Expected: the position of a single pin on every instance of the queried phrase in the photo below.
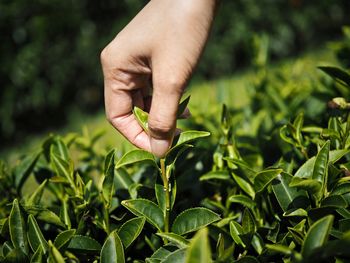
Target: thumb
(162, 116)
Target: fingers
(162, 116)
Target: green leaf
(216, 175)
(199, 248)
(38, 256)
(310, 185)
(63, 168)
(24, 169)
(306, 170)
(247, 259)
(59, 148)
(35, 198)
(182, 106)
(35, 236)
(280, 249)
(264, 178)
(177, 256)
(244, 185)
(18, 229)
(141, 117)
(336, 201)
(236, 230)
(295, 212)
(148, 209)
(193, 219)
(15, 256)
(160, 195)
(338, 74)
(243, 200)
(317, 235)
(321, 164)
(54, 255)
(122, 179)
(112, 250)
(186, 137)
(83, 244)
(130, 230)
(135, 156)
(63, 238)
(178, 240)
(248, 222)
(108, 180)
(287, 197)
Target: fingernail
(159, 147)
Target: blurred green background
(50, 69)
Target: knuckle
(173, 84)
(160, 129)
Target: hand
(155, 53)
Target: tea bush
(271, 184)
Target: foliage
(50, 49)
(271, 184)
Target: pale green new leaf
(112, 250)
(199, 248)
(135, 156)
(243, 200)
(317, 235)
(176, 239)
(63, 238)
(35, 236)
(264, 178)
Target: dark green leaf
(310, 185)
(148, 209)
(182, 106)
(24, 169)
(130, 230)
(35, 236)
(338, 74)
(63, 238)
(264, 178)
(108, 181)
(336, 201)
(177, 256)
(317, 235)
(122, 179)
(287, 197)
(38, 256)
(18, 228)
(83, 244)
(193, 219)
(112, 250)
(248, 222)
(321, 164)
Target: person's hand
(155, 54)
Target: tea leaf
(54, 255)
(264, 178)
(287, 196)
(83, 244)
(178, 256)
(130, 230)
(178, 240)
(243, 200)
(193, 219)
(112, 250)
(338, 74)
(182, 106)
(236, 230)
(35, 236)
(35, 198)
(108, 182)
(122, 179)
(186, 137)
(199, 248)
(248, 222)
(310, 185)
(244, 185)
(216, 175)
(63, 238)
(135, 156)
(18, 228)
(146, 208)
(24, 169)
(141, 117)
(336, 201)
(38, 256)
(321, 164)
(306, 170)
(317, 235)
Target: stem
(167, 194)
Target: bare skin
(155, 54)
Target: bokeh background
(50, 69)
